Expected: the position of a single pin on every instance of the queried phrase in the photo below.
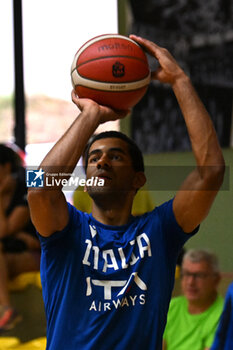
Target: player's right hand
(104, 113)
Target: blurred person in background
(19, 246)
(193, 317)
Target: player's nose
(103, 162)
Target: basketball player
(107, 277)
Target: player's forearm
(48, 206)
(199, 125)
(65, 154)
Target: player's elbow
(218, 172)
(214, 176)
(40, 198)
(48, 210)
(35, 195)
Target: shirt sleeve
(75, 219)
(174, 236)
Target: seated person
(19, 245)
(193, 318)
(224, 336)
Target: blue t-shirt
(224, 335)
(108, 287)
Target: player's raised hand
(104, 113)
(169, 70)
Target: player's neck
(197, 307)
(116, 214)
(112, 217)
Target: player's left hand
(168, 71)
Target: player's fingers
(74, 96)
(117, 113)
(123, 113)
(109, 114)
(147, 45)
(143, 41)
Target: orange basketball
(112, 70)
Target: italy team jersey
(108, 287)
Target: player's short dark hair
(134, 151)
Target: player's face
(109, 159)
(199, 282)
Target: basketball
(112, 70)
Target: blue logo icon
(35, 178)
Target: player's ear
(139, 180)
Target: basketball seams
(112, 70)
(115, 91)
(95, 40)
(114, 99)
(103, 37)
(78, 80)
(113, 56)
(78, 65)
